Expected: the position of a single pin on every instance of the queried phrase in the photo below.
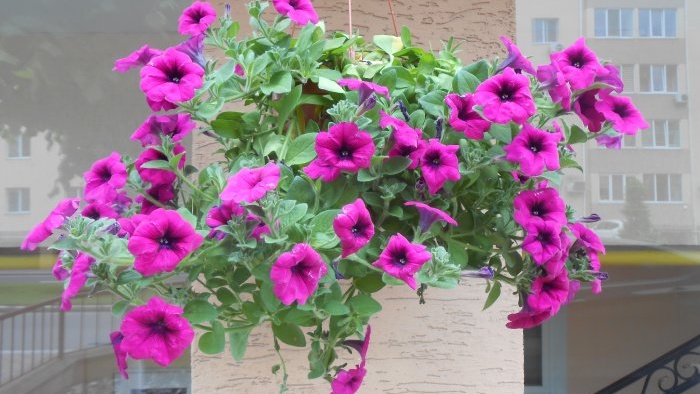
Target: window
(663, 187)
(545, 31)
(657, 22)
(18, 200)
(658, 78)
(612, 188)
(627, 76)
(613, 22)
(662, 133)
(18, 145)
(629, 141)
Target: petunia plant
(350, 165)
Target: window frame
(667, 131)
(669, 188)
(610, 187)
(19, 146)
(651, 81)
(17, 197)
(541, 29)
(664, 33)
(622, 12)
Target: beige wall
(446, 346)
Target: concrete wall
(446, 346)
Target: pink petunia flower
(402, 259)
(541, 205)
(64, 209)
(552, 80)
(300, 12)
(612, 78)
(97, 210)
(543, 241)
(116, 338)
(506, 97)
(620, 111)
(139, 58)
(515, 59)
(251, 184)
(528, 318)
(429, 215)
(129, 225)
(238, 70)
(439, 164)
(463, 117)
(158, 176)
(549, 292)
(579, 64)
(176, 126)
(354, 227)
(260, 228)
(587, 237)
(161, 241)
(220, 215)
(346, 147)
(407, 140)
(319, 169)
(196, 18)
(58, 270)
(170, 78)
(156, 331)
(364, 88)
(296, 274)
(194, 48)
(348, 382)
(78, 277)
(104, 178)
(610, 142)
(534, 150)
(163, 193)
(585, 107)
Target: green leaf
(119, 308)
(290, 334)
(213, 342)
(66, 243)
(286, 105)
(494, 293)
(405, 36)
(187, 216)
(295, 215)
(225, 72)
(366, 175)
(128, 276)
(578, 135)
(433, 103)
(363, 304)
(336, 308)
(501, 132)
(301, 191)
(329, 85)
(156, 164)
(369, 283)
(479, 69)
(301, 150)
(238, 341)
(199, 311)
(323, 222)
(280, 82)
(389, 44)
(552, 176)
(514, 262)
(464, 82)
(229, 124)
(395, 165)
(225, 296)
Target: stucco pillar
(445, 346)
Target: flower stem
(283, 386)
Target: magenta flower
(220, 215)
(585, 107)
(196, 18)
(194, 48)
(238, 70)
(402, 259)
(612, 78)
(609, 142)
(579, 64)
(104, 178)
(97, 210)
(543, 241)
(78, 277)
(528, 318)
(65, 208)
(169, 79)
(139, 58)
(364, 88)
(59, 271)
(344, 147)
(161, 241)
(587, 237)
(348, 382)
(116, 338)
(300, 12)
(540, 205)
(296, 274)
(515, 59)
(463, 117)
(439, 164)
(162, 193)
(176, 126)
(552, 80)
(407, 140)
(251, 184)
(620, 111)
(506, 97)
(534, 149)
(429, 215)
(260, 228)
(129, 225)
(158, 176)
(156, 331)
(354, 227)
(549, 292)
(319, 169)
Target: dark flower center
(577, 60)
(535, 145)
(537, 210)
(463, 113)
(105, 175)
(159, 327)
(507, 92)
(358, 230)
(433, 159)
(174, 75)
(345, 153)
(400, 258)
(165, 243)
(621, 110)
(293, 3)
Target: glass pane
(671, 78)
(670, 22)
(627, 23)
(644, 28)
(600, 22)
(659, 133)
(645, 78)
(604, 187)
(533, 355)
(552, 30)
(662, 185)
(674, 134)
(613, 23)
(650, 186)
(537, 31)
(657, 20)
(676, 188)
(618, 187)
(658, 77)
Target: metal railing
(35, 335)
(674, 372)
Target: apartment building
(655, 49)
